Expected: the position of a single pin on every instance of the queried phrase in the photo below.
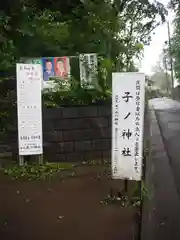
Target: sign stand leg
(126, 185)
(21, 160)
(111, 192)
(141, 199)
(40, 159)
(141, 193)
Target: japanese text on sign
(127, 125)
(29, 80)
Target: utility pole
(171, 60)
(166, 71)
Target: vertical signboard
(128, 97)
(29, 80)
(88, 69)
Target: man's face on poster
(60, 66)
(49, 66)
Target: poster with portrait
(62, 67)
(62, 71)
(48, 68)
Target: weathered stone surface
(52, 113)
(55, 136)
(82, 146)
(101, 144)
(93, 155)
(75, 157)
(62, 147)
(88, 111)
(70, 112)
(72, 134)
(104, 111)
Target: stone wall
(77, 133)
(71, 134)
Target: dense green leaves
(116, 30)
(175, 41)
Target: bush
(76, 95)
(8, 111)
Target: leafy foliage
(76, 96)
(175, 41)
(56, 28)
(115, 30)
(8, 105)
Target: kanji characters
(137, 121)
(127, 116)
(126, 152)
(127, 134)
(127, 96)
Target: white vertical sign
(88, 69)
(128, 99)
(29, 83)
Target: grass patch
(97, 163)
(35, 171)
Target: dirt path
(68, 209)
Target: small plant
(141, 191)
(97, 162)
(30, 172)
(135, 199)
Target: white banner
(29, 83)
(128, 99)
(88, 69)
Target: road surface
(168, 116)
(166, 169)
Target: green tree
(175, 41)
(116, 30)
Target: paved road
(168, 116)
(166, 169)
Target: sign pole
(40, 159)
(21, 160)
(140, 192)
(126, 185)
